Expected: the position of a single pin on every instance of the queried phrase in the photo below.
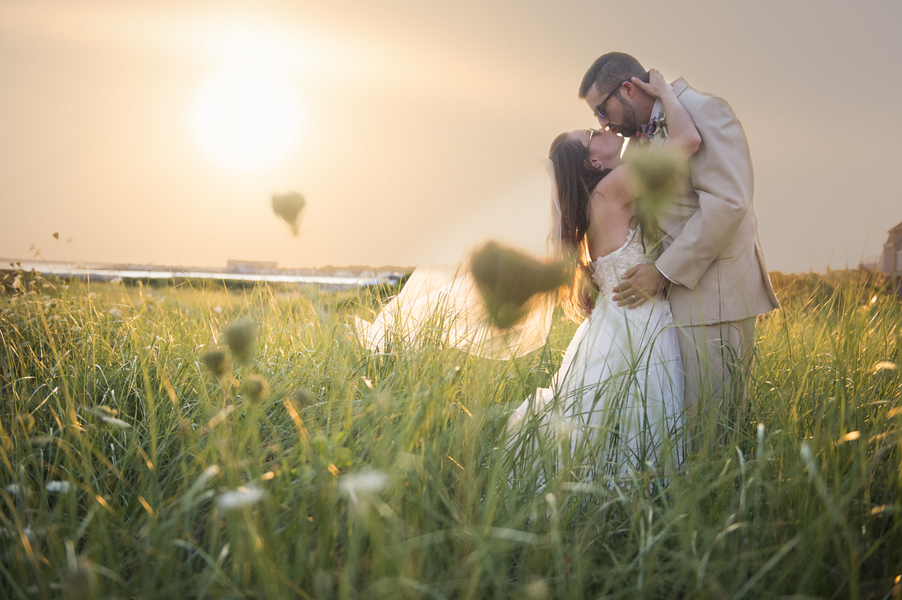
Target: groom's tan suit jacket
(711, 248)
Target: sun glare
(247, 116)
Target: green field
(314, 469)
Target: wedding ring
(634, 296)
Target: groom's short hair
(609, 71)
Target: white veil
(444, 303)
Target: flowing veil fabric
(443, 303)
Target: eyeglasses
(599, 110)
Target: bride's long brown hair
(575, 181)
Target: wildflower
(288, 207)
(240, 337)
(239, 498)
(508, 279)
(58, 487)
(884, 365)
(537, 589)
(302, 397)
(217, 361)
(115, 312)
(660, 175)
(217, 310)
(16, 490)
(254, 388)
(357, 486)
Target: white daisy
(58, 487)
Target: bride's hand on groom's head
(656, 85)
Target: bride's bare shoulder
(618, 187)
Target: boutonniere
(657, 126)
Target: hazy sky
(419, 125)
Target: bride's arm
(620, 185)
(683, 135)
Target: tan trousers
(717, 362)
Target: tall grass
(361, 475)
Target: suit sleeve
(721, 173)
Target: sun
(247, 116)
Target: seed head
(537, 589)
(508, 279)
(254, 388)
(114, 422)
(661, 176)
(217, 361)
(288, 208)
(303, 397)
(241, 337)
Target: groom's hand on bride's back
(638, 285)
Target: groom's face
(619, 114)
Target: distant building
(251, 266)
(891, 259)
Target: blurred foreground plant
(288, 208)
(508, 279)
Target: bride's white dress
(617, 397)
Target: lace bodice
(607, 270)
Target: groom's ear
(629, 89)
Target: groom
(712, 260)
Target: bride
(615, 405)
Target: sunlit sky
(414, 129)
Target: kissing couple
(664, 353)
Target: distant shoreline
(353, 276)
